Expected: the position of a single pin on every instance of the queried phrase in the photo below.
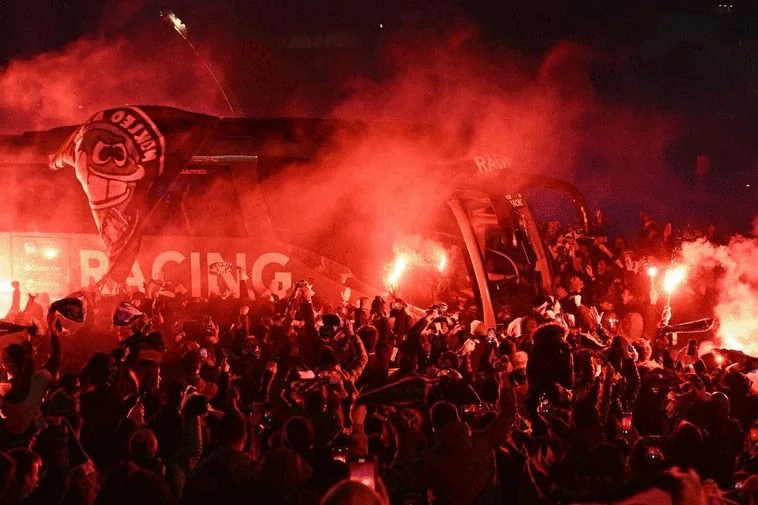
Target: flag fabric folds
(126, 160)
(125, 314)
(7, 328)
(71, 308)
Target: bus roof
(297, 138)
(303, 138)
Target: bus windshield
(506, 251)
(554, 211)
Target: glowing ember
(673, 277)
(652, 271)
(396, 271)
(719, 359)
(177, 23)
(425, 256)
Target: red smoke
(542, 118)
(737, 285)
(378, 186)
(68, 86)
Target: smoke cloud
(151, 65)
(68, 86)
(734, 266)
(377, 185)
(447, 97)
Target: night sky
(694, 59)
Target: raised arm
(191, 448)
(360, 358)
(263, 395)
(53, 363)
(244, 306)
(496, 432)
(309, 337)
(221, 400)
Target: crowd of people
(584, 396)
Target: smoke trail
(68, 86)
(737, 283)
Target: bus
(481, 251)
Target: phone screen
(363, 471)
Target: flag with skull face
(124, 159)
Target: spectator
(279, 401)
(227, 474)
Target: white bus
(485, 243)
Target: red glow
(441, 261)
(481, 103)
(737, 286)
(50, 253)
(396, 271)
(93, 74)
(6, 297)
(415, 252)
(673, 277)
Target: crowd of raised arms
(579, 397)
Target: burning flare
(177, 23)
(426, 255)
(673, 277)
(396, 270)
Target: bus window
(497, 240)
(200, 203)
(553, 210)
(506, 254)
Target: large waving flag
(125, 159)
